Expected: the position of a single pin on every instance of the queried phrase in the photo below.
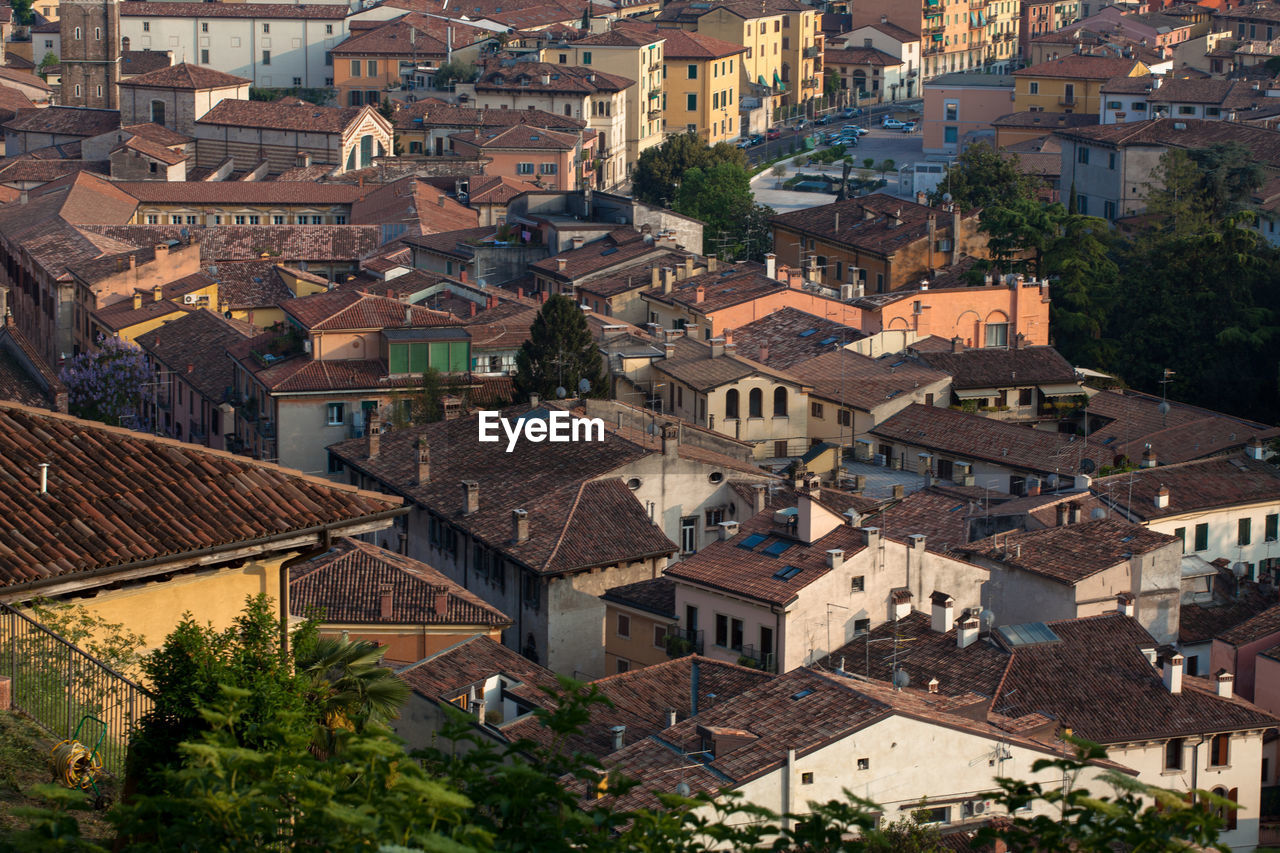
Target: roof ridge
(564, 528)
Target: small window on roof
(778, 547)
(752, 541)
(826, 342)
(786, 573)
(807, 332)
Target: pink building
(959, 109)
(1236, 650)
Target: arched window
(755, 403)
(77, 34)
(731, 404)
(157, 112)
(779, 402)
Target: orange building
(395, 54)
(375, 594)
(551, 159)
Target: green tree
(981, 177)
(720, 195)
(1086, 281)
(1195, 189)
(49, 59)
(22, 14)
(868, 163)
(831, 86)
(660, 169)
(884, 166)
(387, 110)
(456, 71)
(559, 353)
(906, 835)
(425, 403)
(347, 687)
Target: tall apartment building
(955, 35)
(90, 53)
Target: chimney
(763, 355)
(373, 435)
(561, 263)
(1062, 511)
(24, 197)
(901, 601)
(1173, 673)
(884, 19)
(699, 293)
(729, 346)
(771, 265)
(668, 349)
(670, 440)
(1074, 508)
(852, 517)
(671, 717)
(1255, 449)
(944, 612)
(967, 633)
(1226, 684)
(576, 242)
(1148, 457)
(519, 526)
(1162, 497)
(384, 603)
(534, 400)
(1125, 604)
(794, 278)
(899, 491)
(921, 198)
(440, 600)
(933, 685)
(470, 497)
(137, 301)
(654, 277)
(955, 236)
(757, 504)
(619, 734)
(728, 530)
(1019, 340)
(835, 558)
(717, 347)
(156, 293)
(688, 266)
(957, 344)
(668, 279)
(1033, 487)
(712, 263)
(871, 537)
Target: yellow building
(782, 38)
(145, 310)
(635, 54)
(701, 84)
(241, 202)
(1071, 84)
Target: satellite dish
(946, 197)
(900, 678)
(1087, 466)
(1240, 570)
(584, 386)
(560, 392)
(1098, 512)
(683, 789)
(987, 618)
(1163, 409)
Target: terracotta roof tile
(561, 78)
(858, 56)
(151, 149)
(24, 77)
(446, 242)
(1071, 553)
(1196, 486)
(25, 375)
(657, 596)
(135, 62)
(451, 672)
(241, 192)
(998, 368)
(185, 75)
(692, 363)
(117, 497)
(521, 137)
(1235, 602)
(496, 189)
(158, 134)
(270, 115)
(65, 121)
(1265, 624)
(1264, 144)
(683, 44)
(344, 310)
(878, 222)
(195, 345)
(852, 379)
(345, 585)
(594, 258)
(1027, 118)
(414, 202)
(1081, 67)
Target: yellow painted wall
(263, 318)
(717, 87)
(1050, 93)
(131, 333)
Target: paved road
(871, 117)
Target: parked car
(909, 127)
(827, 119)
(854, 130)
(803, 124)
(773, 133)
(851, 112)
(745, 142)
(892, 124)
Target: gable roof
(789, 336)
(413, 202)
(849, 378)
(186, 76)
(520, 137)
(877, 223)
(25, 375)
(692, 363)
(560, 78)
(1196, 486)
(132, 500)
(346, 584)
(150, 149)
(260, 11)
(1263, 143)
(1082, 67)
(426, 114)
(684, 44)
(347, 310)
(195, 346)
(991, 367)
(1070, 553)
(269, 115)
(656, 596)
(65, 121)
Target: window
(1244, 531)
(1111, 160)
(335, 412)
(722, 630)
(340, 219)
(1202, 537)
(691, 101)
(152, 219)
(1220, 750)
(1034, 87)
(157, 112)
(255, 220)
(815, 410)
(145, 27)
(779, 402)
(864, 763)
(97, 33)
(266, 57)
(586, 57)
(1138, 106)
(1173, 754)
(950, 134)
(328, 29)
(266, 28)
(952, 112)
(1186, 111)
(315, 220)
(997, 334)
(297, 81)
(844, 417)
(660, 636)
(735, 634)
(731, 404)
(1113, 105)
(1212, 111)
(926, 817)
(755, 403)
(806, 778)
(861, 626)
(548, 168)
(277, 220)
(858, 584)
(1082, 204)
(1109, 209)
(1082, 155)
(524, 168)
(715, 516)
(693, 72)
(1024, 396)
(355, 67)
(1271, 529)
(204, 57)
(624, 626)
(373, 68)
(1181, 533)
(240, 219)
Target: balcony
(811, 52)
(266, 428)
(811, 83)
(654, 114)
(1067, 101)
(682, 642)
(757, 659)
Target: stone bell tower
(90, 53)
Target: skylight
(1027, 634)
(807, 332)
(808, 691)
(752, 541)
(778, 547)
(786, 573)
(826, 342)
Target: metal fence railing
(57, 684)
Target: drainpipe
(788, 789)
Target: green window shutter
(439, 356)
(398, 359)
(417, 358)
(459, 356)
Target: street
(870, 118)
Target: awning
(776, 78)
(762, 81)
(937, 36)
(1061, 390)
(975, 393)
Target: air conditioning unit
(846, 292)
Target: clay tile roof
(619, 37)
(1265, 625)
(451, 672)
(345, 585)
(496, 189)
(197, 342)
(579, 515)
(521, 137)
(343, 310)
(413, 202)
(151, 149)
(184, 75)
(1122, 699)
(394, 39)
(561, 78)
(791, 336)
(24, 78)
(1026, 118)
(892, 30)
(65, 121)
(593, 258)
(1070, 553)
(1238, 602)
(975, 437)
(158, 134)
(852, 379)
(941, 513)
(1081, 67)
(858, 56)
(998, 368)
(1196, 486)
(241, 192)
(130, 498)
(1264, 144)
(25, 375)
(257, 11)
(878, 223)
(428, 114)
(447, 242)
(657, 596)
(692, 363)
(269, 115)
(122, 315)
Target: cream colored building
(290, 135)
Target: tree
(22, 14)
(387, 110)
(559, 353)
(1195, 189)
(108, 385)
(719, 195)
(885, 166)
(981, 177)
(455, 71)
(347, 687)
(660, 169)
(49, 59)
(906, 835)
(868, 163)
(425, 404)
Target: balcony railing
(811, 52)
(654, 114)
(811, 83)
(757, 658)
(1067, 100)
(682, 642)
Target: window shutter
(1232, 795)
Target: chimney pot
(771, 265)
(1173, 674)
(373, 435)
(871, 537)
(156, 293)
(619, 735)
(1255, 449)
(1226, 684)
(470, 497)
(137, 301)
(384, 604)
(1125, 603)
(835, 558)
(668, 279)
(670, 439)
(757, 504)
(561, 263)
(1148, 457)
(967, 633)
(1162, 497)
(519, 526)
(899, 491)
(712, 263)
(943, 614)
(440, 600)
(728, 530)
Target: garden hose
(74, 765)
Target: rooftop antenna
(1164, 395)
